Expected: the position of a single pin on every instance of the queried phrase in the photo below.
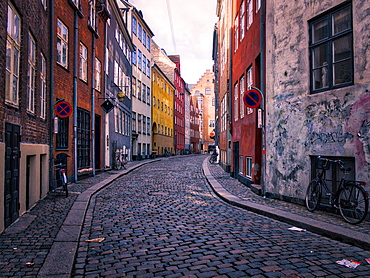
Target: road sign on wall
(63, 109)
(252, 98)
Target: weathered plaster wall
(298, 124)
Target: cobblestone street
(162, 220)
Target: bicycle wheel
(211, 160)
(313, 195)
(65, 183)
(353, 203)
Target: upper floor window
(62, 44)
(134, 25)
(236, 101)
(208, 91)
(236, 32)
(242, 91)
(31, 74)
(242, 20)
(148, 42)
(43, 2)
(139, 31)
(97, 74)
(76, 3)
(258, 5)
(331, 50)
(134, 57)
(13, 45)
(43, 96)
(83, 62)
(250, 13)
(92, 14)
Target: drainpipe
(93, 105)
(75, 72)
(263, 87)
(51, 94)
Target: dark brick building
(24, 96)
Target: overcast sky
(193, 24)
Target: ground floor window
(248, 165)
(62, 135)
(83, 139)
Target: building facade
(24, 106)
(118, 93)
(246, 129)
(162, 113)
(141, 82)
(205, 97)
(317, 90)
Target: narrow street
(162, 220)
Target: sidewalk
(320, 222)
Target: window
(148, 68)
(242, 20)
(97, 74)
(248, 165)
(43, 2)
(83, 139)
(76, 3)
(250, 13)
(148, 43)
(331, 50)
(139, 121)
(139, 89)
(134, 25)
(249, 85)
(62, 135)
(148, 95)
(139, 31)
(212, 123)
(144, 124)
(236, 101)
(43, 87)
(134, 56)
(144, 64)
(242, 91)
(13, 45)
(139, 59)
(92, 14)
(208, 91)
(133, 121)
(62, 44)
(83, 62)
(144, 38)
(143, 94)
(236, 32)
(241, 165)
(148, 126)
(134, 86)
(31, 74)
(258, 5)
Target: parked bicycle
(350, 199)
(119, 160)
(61, 177)
(213, 157)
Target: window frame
(328, 45)
(62, 53)
(31, 74)
(83, 62)
(43, 86)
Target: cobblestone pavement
(162, 220)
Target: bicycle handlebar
(340, 162)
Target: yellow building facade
(162, 113)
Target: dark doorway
(236, 159)
(97, 141)
(12, 154)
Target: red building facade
(246, 134)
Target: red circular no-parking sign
(252, 98)
(63, 109)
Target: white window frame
(236, 101)
(98, 70)
(92, 14)
(43, 87)
(258, 5)
(62, 44)
(242, 91)
(31, 74)
(83, 62)
(236, 32)
(13, 46)
(241, 165)
(242, 20)
(250, 13)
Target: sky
(193, 25)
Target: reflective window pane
(319, 30)
(341, 21)
(320, 56)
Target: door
(97, 142)
(12, 155)
(236, 158)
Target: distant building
(205, 97)
(162, 113)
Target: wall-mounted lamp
(120, 95)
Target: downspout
(93, 106)
(75, 72)
(51, 95)
(263, 87)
